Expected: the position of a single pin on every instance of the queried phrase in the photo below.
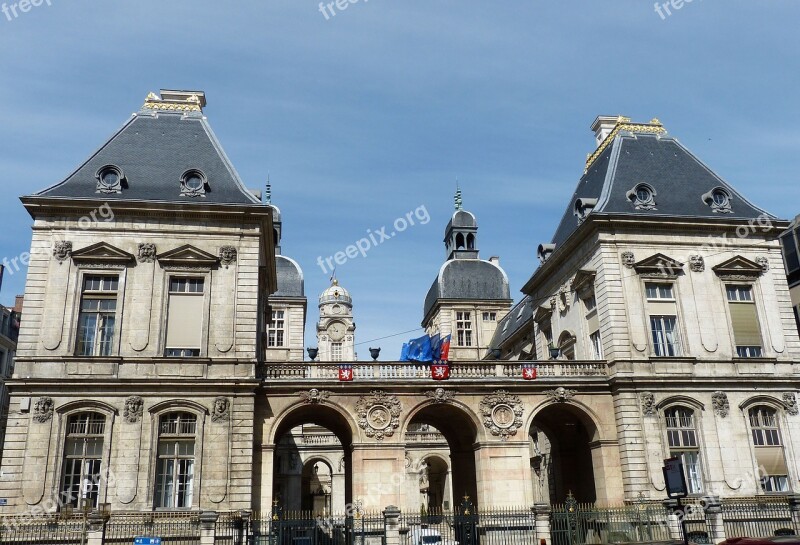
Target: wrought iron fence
(575, 523)
(759, 517)
(172, 528)
(307, 528)
(42, 530)
(469, 526)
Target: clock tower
(336, 328)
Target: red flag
(445, 356)
(529, 372)
(346, 373)
(440, 371)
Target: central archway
(460, 435)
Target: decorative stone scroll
(379, 414)
(648, 403)
(722, 407)
(314, 396)
(502, 414)
(43, 410)
(222, 409)
(440, 395)
(134, 407)
(62, 250)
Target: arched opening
(561, 455)
(460, 241)
(470, 241)
(438, 433)
(276, 237)
(312, 464)
(566, 343)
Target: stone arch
(762, 399)
(460, 243)
(579, 409)
(87, 405)
(470, 241)
(674, 400)
(178, 405)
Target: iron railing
(42, 530)
(575, 523)
(759, 517)
(172, 528)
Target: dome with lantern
(335, 294)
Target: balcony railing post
(794, 506)
(542, 512)
(713, 512)
(673, 522)
(391, 524)
(208, 527)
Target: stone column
(713, 512)
(794, 505)
(95, 528)
(673, 520)
(391, 517)
(542, 515)
(208, 527)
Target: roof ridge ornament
(268, 191)
(625, 124)
(459, 202)
(175, 101)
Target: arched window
(83, 454)
(768, 448)
(175, 467)
(459, 241)
(682, 441)
(470, 241)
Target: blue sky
(372, 113)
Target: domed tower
(336, 328)
(288, 305)
(470, 295)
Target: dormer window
(110, 179)
(194, 184)
(719, 200)
(643, 197)
(583, 207)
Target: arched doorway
(452, 434)
(561, 455)
(312, 462)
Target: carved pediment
(102, 252)
(659, 265)
(738, 268)
(542, 313)
(583, 283)
(188, 256)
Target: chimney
(18, 300)
(495, 260)
(604, 124)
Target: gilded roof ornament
(625, 124)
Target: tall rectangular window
(277, 329)
(336, 351)
(175, 468)
(768, 447)
(659, 292)
(682, 439)
(489, 316)
(83, 453)
(464, 328)
(744, 319)
(665, 336)
(98, 315)
(597, 345)
(185, 317)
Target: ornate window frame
(639, 203)
(724, 207)
(787, 442)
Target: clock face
(337, 331)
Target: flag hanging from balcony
(444, 350)
(346, 373)
(440, 371)
(529, 372)
(417, 350)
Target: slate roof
(468, 279)
(517, 318)
(290, 278)
(679, 178)
(154, 149)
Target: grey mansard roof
(290, 278)
(518, 317)
(634, 155)
(154, 149)
(468, 279)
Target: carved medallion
(134, 407)
(43, 409)
(648, 403)
(62, 250)
(227, 256)
(628, 259)
(697, 263)
(315, 396)
(719, 400)
(378, 414)
(440, 395)
(147, 252)
(790, 402)
(502, 414)
(763, 262)
(222, 409)
(560, 395)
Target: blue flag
(404, 353)
(419, 350)
(436, 347)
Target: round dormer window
(720, 197)
(109, 179)
(643, 197)
(643, 194)
(194, 183)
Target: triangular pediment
(659, 265)
(583, 283)
(542, 313)
(738, 266)
(188, 255)
(102, 252)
